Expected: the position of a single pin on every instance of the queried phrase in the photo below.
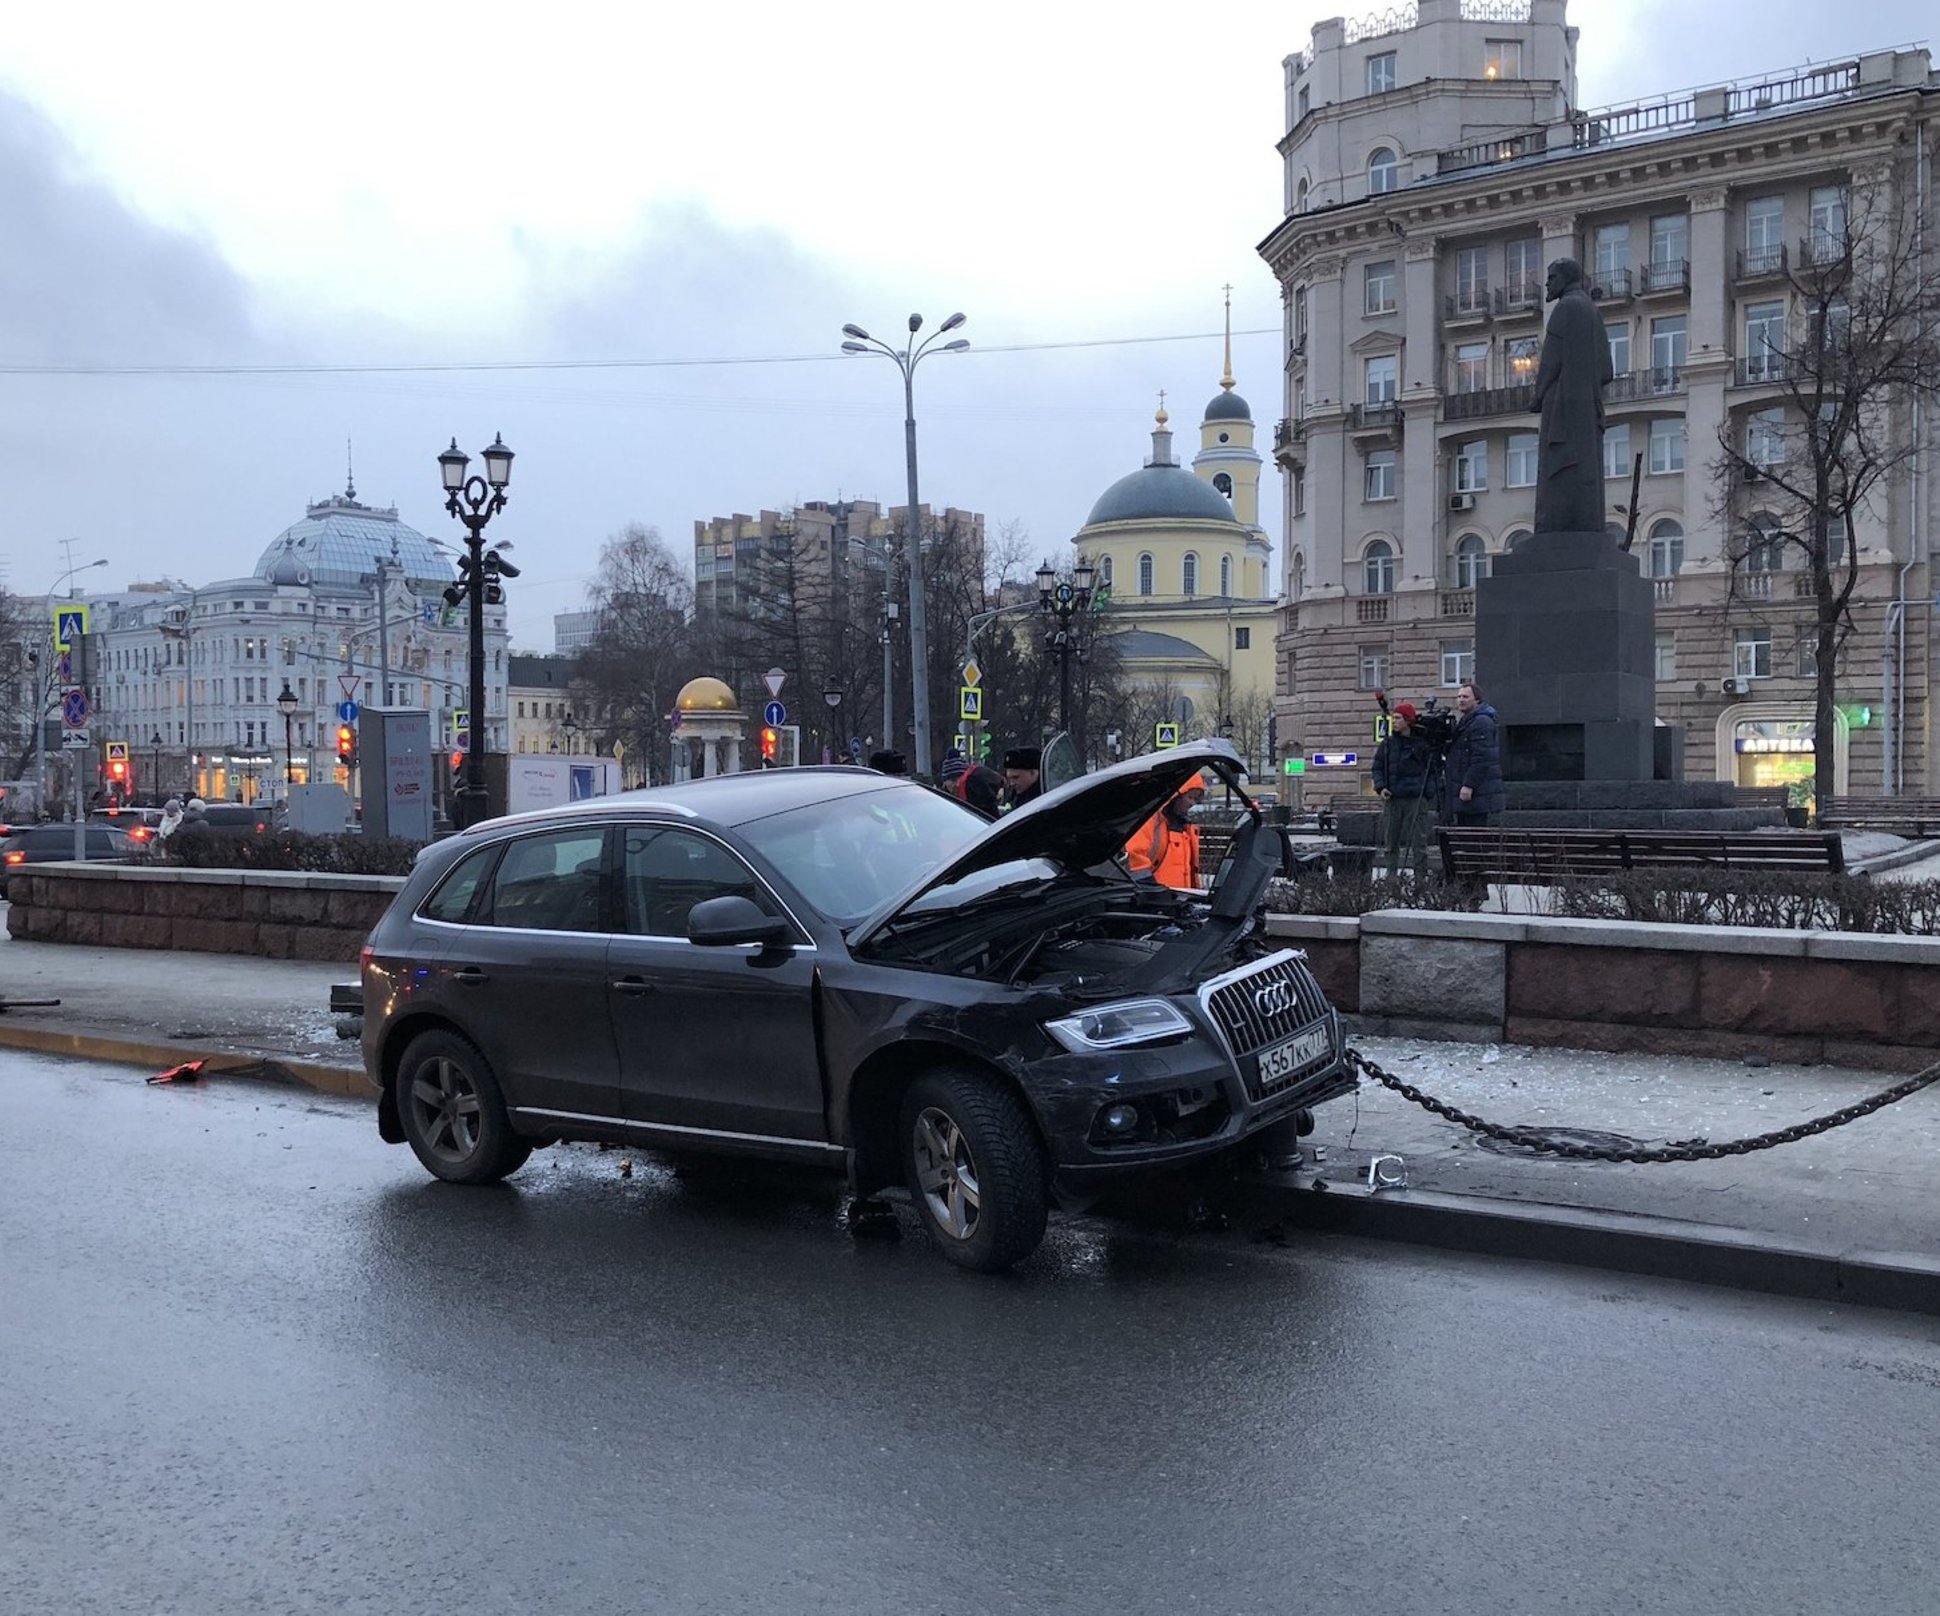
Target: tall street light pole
(44, 683)
(906, 361)
(286, 704)
(475, 501)
(1061, 600)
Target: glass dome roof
(340, 541)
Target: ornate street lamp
(155, 765)
(475, 501)
(286, 704)
(1061, 600)
(906, 360)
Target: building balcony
(1824, 252)
(1457, 603)
(1519, 300)
(1762, 369)
(1518, 399)
(1377, 424)
(1488, 153)
(1755, 585)
(1290, 443)
(1471, 305)
(1672, 279)
(1761, 263)
(1665, 590)
(1613, 286)
(1640, 386)
(1371, 609)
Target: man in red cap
(1404, 765)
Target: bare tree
(23, 683)
(1859, 340)
(643, 650)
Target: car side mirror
(725, 922)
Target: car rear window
(453, 899)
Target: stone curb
(1914, 853)
(95, 1044)
(1662, 1248)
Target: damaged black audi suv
(834, 966)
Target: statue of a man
(1575, 369)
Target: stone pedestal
(1565, 649)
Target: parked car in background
(239, 819)
(844, 968)
(54, 843)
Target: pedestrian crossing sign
(70, 624)
(970, 703)
(1382, 724)
(1164, 735)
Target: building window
(1378, 479)
(1764, 233)
(1471, 561)
(1471, 279)
(1616, 449)
(1145, 573)
(1299, 319)
(1222, 482)
(1618, 331)
(1242, 639)
(1472, 467)
(1517, 538)
(1377, 568)
(1379, 285)
(1764, 341)
(1381, 76)
(1189, 575)
(1523, 354)
(1828, 238)
(1302, 102)
(1523, 270)
(1383, 373)
(1226, 577)
(1751, 653)
(1612, 251)
(1666, 549)
(1299, 575)
(1522, 460)
(1764, 544)
(1458, 662)
(1765, 438)
(1666, 655)
(1300, 192)
(1104, 571)
(1668, 347)
(1471, 367)
(1666, 445)
(1670, 241)
(1805, 654)
(1383, 172)
(1299, 493)
(1502, 59)
(1374, 667)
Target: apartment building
(1436, 161)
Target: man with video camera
(1404, 768)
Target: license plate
(1283, 1060)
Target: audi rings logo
(1275, 999)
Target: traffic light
(770, 746)
(118, 774)
(346, 743)
(984, 744)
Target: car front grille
(1265, 1003)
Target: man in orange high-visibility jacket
(1165, 849)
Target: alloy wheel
(447, 1106)
(946, 1173)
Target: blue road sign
(69, 627)
(855, 746)
(74, 709)
(347, 711)
(1332, 760)
(774, 713)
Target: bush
(1356, 894)
(1727, 898)
(292, 850)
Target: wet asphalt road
(252, 1361)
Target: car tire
(452, 1112)
(975, 1169)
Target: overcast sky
(401, 184)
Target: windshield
(851, 855)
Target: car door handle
(470, 977)
(635, 985)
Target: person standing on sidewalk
(1404, 764)
(1164, 851)
(1472, 770)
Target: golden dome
(705, 695)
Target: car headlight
(1117, 1026)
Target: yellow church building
(1190, 574)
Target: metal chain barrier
(1533, 1139)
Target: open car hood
(1080, 825)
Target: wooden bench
(1920, 815)
(1542, 857)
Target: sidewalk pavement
(1853, 1213)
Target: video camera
(1433, 723)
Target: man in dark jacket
(1472, 769)
(1403, 766)
(1023, 775)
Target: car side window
(667, 871)
(548, 883)
(453, 899)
